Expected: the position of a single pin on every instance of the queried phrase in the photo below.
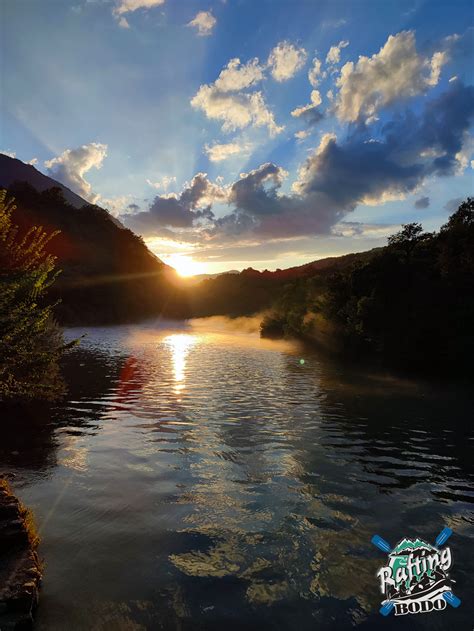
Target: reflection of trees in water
(365, 435)
(29, 434)
(283, 472)
(404, 430)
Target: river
(198, 477)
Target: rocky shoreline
(20, 567)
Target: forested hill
(411, 305)
(108, 275)
(251, 291)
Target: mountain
(251, 291)
(13, 170)
(408, 544)
(108, 275)
(200, 277)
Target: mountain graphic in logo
(416, 578)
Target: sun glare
(185, 265)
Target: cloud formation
(221, 151)
(128, 6)
(410, 149)
(334, 54)
(315, 73)
(422, 202)
(71, 166)
(164, 183)
(302, 134)
(229, 100)
(362, 168)
(191, 207)
(204, 22)
(453, 204)
(396, 72)
(285, 60)
(309, 111)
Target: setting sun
(185, 265)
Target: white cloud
(302, 134)
(315, 101)
(237, 76)
(464, 155)
(204, 22)
(218, 152)
(128, 6)
(308, 170)
(229, 101)
(397, 71)
(315, 73)
(334, 54)
(71, 166)
(333, 23)
(115, 205)
(285, 60)
(235, 110)
(12, 154)
(164, 183)
(123, 22)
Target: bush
(30, 341)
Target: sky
(246, 133)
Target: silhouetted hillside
(410, 305)
(108, 274)
(13, 171)
(252, 291)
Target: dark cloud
(339, 176)
(422, 202)
(453, 204)
(409, 149)
(311, 116)
(178, 211)
(262, 211)
(365, 167)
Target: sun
(185, 265)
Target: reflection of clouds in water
(325, 561)
(243, 468)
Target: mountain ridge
(108, 275)
(13, 170)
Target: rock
(20, 567)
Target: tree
(30, 341)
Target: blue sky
(324, 132)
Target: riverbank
(20, 567)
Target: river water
(198, 477)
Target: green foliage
(30, 341)
(411, 305)
(108, 275)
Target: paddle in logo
(416, 578)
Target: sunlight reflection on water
(180, 344)
(201, 478)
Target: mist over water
(198, 477)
